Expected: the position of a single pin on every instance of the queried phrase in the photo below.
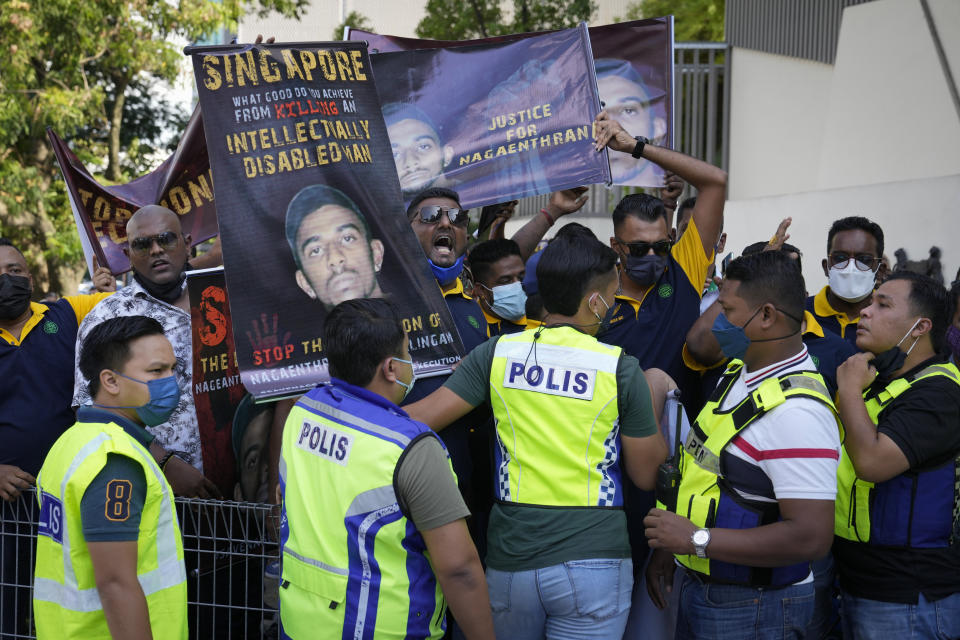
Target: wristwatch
(638, 150)
(700, 539)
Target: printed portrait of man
(337, 258)
(641, 112)
(250, 437)
(418, 152)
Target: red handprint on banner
(268, 349)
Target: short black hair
(484, 254)
(683, 207)
(571, 263)
(575, 228)
(853, 223)
(432, 192)
(770, 276)
(757, 247)
(308, 200)
(929, 299)
(107, 346)
(640, 205)
(358, 335)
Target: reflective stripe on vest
(704, 495)
(912, 510)
(554, 397)
(66, 599)
(364, 571)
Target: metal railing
(701, 126)
(230, 552)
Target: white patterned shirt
(180, 433)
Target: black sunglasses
(864, 261)
(431, 213)
(167, 240)
(640, 249)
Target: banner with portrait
(182, 183)
(310, 208)
(634, 70)
(494, 121)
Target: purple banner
(518, 124)
(634, 70)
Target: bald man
(158, 251)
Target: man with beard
(417, 150)
(37, 342)
(158, 250)
(336, 257)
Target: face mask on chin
(891, 360)
(169, 292)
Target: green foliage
(464, 20)
(93, 71)
(694, 20)
(354, 20)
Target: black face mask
(646, 270)
(891, 360)
(14, 296)
(169, 292)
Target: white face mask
(850, 283)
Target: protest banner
(634, 69)
(519, 124)
(182, 183)
(310, 208)
(216, 381)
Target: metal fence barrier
(230, 551)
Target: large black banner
(309, 207)
(494, 121)
(634, 70)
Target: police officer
(566, 408)
(898, 535)
(755, 501)
(109, 551)
(373, 524)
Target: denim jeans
(730, 612)
(825, 620)
(865, 619)
(571, 600)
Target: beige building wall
(882, 112)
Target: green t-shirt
(521, 537)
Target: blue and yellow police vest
(66, 602)
(353, 563)
(554, 397)
(916, 509)
(707, 498)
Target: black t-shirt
(925, 423)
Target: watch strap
(638, 149)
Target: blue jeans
(825, 615)
(730, 612)
(576, 599)
(865, 619)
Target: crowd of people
(534, 491)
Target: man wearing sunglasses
(158, 251)
(854, 267)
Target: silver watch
(700, 539)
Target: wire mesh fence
(230, 551)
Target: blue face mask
(164, 398)
(509, 301)
(732, 338)
(446, 275)
(407, 386)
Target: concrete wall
(914, 215)
(881, 113)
